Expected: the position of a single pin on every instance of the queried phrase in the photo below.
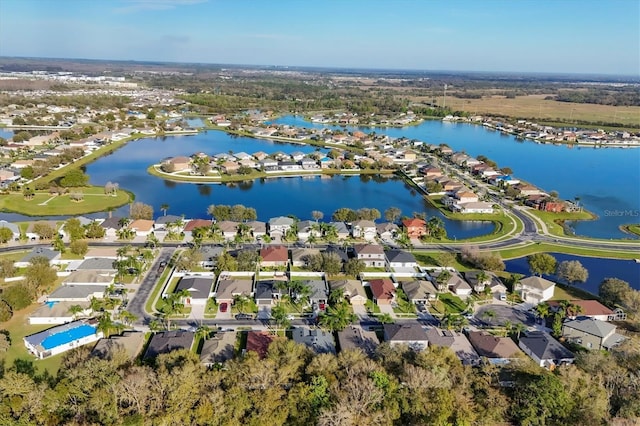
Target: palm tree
(542, 310)
(164, 208)
(75, 310)
(154, 326)
(106, 324)
(203, 331)
(241, 303)
(174, 305)
(448, 321)
(508, 326)
(280, 317)
(519, 328)
(127, 317)
(489, 314)
(338, 317)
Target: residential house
(169, 341)
(162, 223)
(102, 264)
(473, 207)
(129, 342)
(15, 230)
(258, 342)
(410, 334)
(457, 342)
(415, 227)
(307, 228)
(524, 190)
(199, 289)
(497, 350)
(300, 257)
(492, 281)
(278, 226)
(465, 196)
(229, 167)
(319, 292)
(111, 226)
(342, 231)
(400, 261)
(274, 256)
(230, 287)
(179, 164)
(352, 289)
(57, 312)
(364, 229)
(268, 164)
(354, 337)
(76, 293)
(588, 308)
(419, 291)
(142, 227)
(51, 341)
(455, 283)
(316, 339)
(210, 255)
(341, 253)
(535, 290)
(371, 254)
(51, 255)
(431, 172)
(194, 224)
(266, 293)
(258, 229)
(218, 349)
(591, 333)
(383, 290)
(228, 228)
(546, 351)
(387, 231)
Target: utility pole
(444, 98)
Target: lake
(599, 269)
(270, 197)
(606, 180)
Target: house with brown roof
(218, 349)
(455, 341)
(229, 167)
(142, 227)
(419, 291)
(228, 228)
(415, 227)
(301, 256)
(588, 308)
(352, 290)
(535, 289)
(371, 254)
(259, 341)
(274, 256)
(497, 350)
(179, 164)
(195, 223)
(354, 337)
(383, 290)
(229, 287)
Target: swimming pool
(66, 336)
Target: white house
(364, 229)
(535, 290)
(62, 338)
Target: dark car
(244, 316)
(224, 307)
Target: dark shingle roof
(168, 341)
(544, 346)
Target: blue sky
(578, 36)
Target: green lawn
(567, 292)
(430, 258)
(631, 229)
(558, 248)
(448, 303)
(156, 290)
(554, 220)
(44, 204)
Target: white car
(290, 317)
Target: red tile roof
(259, 341)
(589, 307)
(415, 222)
(274, 254)
(197, 223)
(382, 289)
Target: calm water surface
(606, 180)
(599, 269)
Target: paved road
(136, 305)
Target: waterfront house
(278, 226)
(387, 231)
(274, 256)
(229, 229)
(111, 227)
(591, 333)
(371, 254)
(352, 290)
(258, 229)
(546, 351)
(194, 224)
(535, 290)
(415, 227)
(142, 227)
(473, 207)
(169, 341)
(163, 223)
(364, 229)
(15, 230)
(342, 231)
(410, 334)
(383, 291)
(491, 280)
(307, 228)
(178, 164)
(587, 308)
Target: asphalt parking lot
(504, 313)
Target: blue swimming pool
(64, 337)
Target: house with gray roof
(129, 342)
(111, 226)
(364, 229)
(51, 255)
(355, 337)
(316, 339)
(400, 261)
(546, 351)
(492, 281)
(210, 255)
(15, 230)
(278, 226)
(103, 264)
(419, 291)
(76, 293)
(371, 254)
(342, 230)
(258, 228)
(410, 334)
(265, 293)
(89, 277)
(168, 341)
(387, 231)
(341, 253)
(319, 292)
(591, 333)
(199, 289)
(307, 228)
(218, 349)
(300, 256)
(455, 341)
(162, 222)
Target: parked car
(244, 316)
(224, 307)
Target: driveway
(264, 312)
(197, 312)
(504, 313)
(361, 312)
(387, 309)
